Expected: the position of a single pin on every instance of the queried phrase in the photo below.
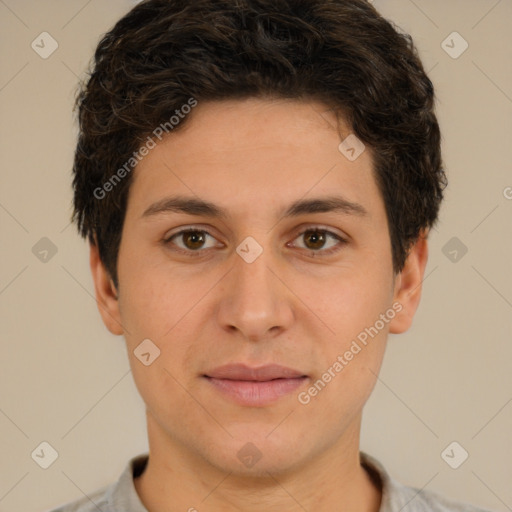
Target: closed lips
(242, 372)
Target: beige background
(65, 380)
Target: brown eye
(320, 240)
(191, 240)
(315, 239)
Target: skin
(293, 305)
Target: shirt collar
(123, 496)
(394, 495)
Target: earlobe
(106, 293)
(408, 285)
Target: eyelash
(200, 252)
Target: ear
(408, 285)
(106, 293)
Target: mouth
(253, 387)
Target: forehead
(250, 154)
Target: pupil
(317, 238)
(195, 238)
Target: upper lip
(260, 373)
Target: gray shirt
(122, 496)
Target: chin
(258, 455)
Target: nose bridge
(254, 277)
(254, 300)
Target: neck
(175, 479)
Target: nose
(255, 301)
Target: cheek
(358, 308)
(161, 389)
(353, 300)
(350, 365)
(154, 304)
(166, 311)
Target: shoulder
(397, 497)
(417, 500)
(98, 500)
(119, 496)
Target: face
(267, 272)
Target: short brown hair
(341, 52)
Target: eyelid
(320, 227)
(189, 227)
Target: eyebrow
(199, 207)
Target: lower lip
(253, 393)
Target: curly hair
(342, 52)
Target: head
(241, 109)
